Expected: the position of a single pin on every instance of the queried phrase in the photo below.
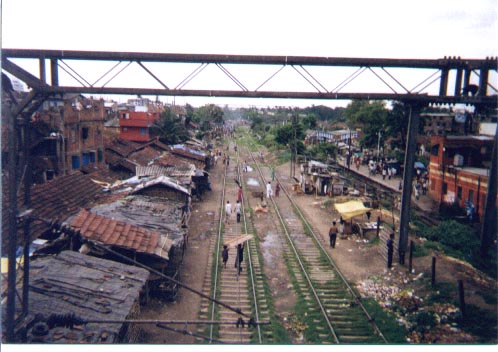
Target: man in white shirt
(228, 211)
(268, 190)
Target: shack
(317, 178)
(161, 206)
(70, 289)
(134, 242)
(351, 209)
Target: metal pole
(378, 225)
(27, 205)
(489, 221)
(12, 214)
(413, 122)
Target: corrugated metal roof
(188, 152)
(118, 233)
(162, 180)
(89, 287)
(170, 171)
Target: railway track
(334, 312)
(244, 290)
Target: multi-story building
(67, 135)
(136, 119)
(446, 123)
(459, 170)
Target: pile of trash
(425, 323)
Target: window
(445, 188)
(84, 133)
(142, 131)
(435, 150)
(471, 196)
(459, 192)
(75, 162)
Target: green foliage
(386, 321)
(419, 251)
(431, 245)
(396, 125)
(454, 235)
(423, 320)
(207, 115)
(322, 151)
(371, 117)
(324, 113)
(286, 134)
(268, 141)
(481, 322)
(443, 292)
(170, 128)
(189, 113)
(310, 121)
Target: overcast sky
(354, 28)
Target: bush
(454, 235)
(481, 322)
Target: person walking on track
(224, 255)
(333, 234)
(228, 211)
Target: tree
(209, 114)
(371, 117)
(310, 121)
(170, 128)
(397, 124)
(287, 133)
(189, 113)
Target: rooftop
(108, 231)
(89, 287)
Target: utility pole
(413, 122)
(489, 221)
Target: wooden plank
(239, 239)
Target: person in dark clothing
(224, 255)
(333, 234)
(368, 215)
(390, 250)
(277, 189)
(240, 257)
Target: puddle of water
(252, 182)
(270, 246)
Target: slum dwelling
(149, 225)
(73, 297)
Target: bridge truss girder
(461, 71)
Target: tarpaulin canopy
(351, 209)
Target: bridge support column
(411, 145)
